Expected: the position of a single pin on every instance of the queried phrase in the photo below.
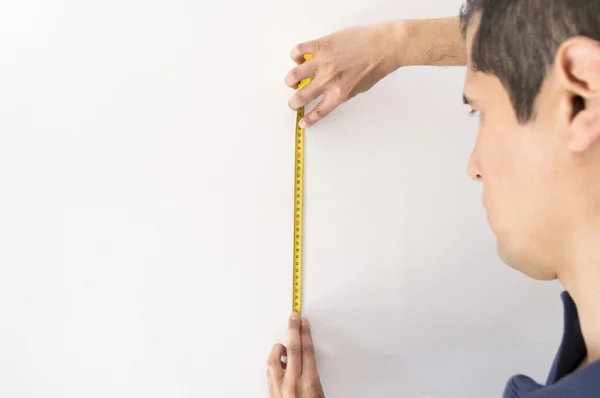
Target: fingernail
(302, 124)
(295, 316)
(304, 322)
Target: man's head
(533, 74)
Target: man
(533, 77)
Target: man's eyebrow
(466, 101)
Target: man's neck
(582, 281)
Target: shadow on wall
(420, 348)
(349, 368)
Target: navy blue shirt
(564, 381)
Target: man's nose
(473, 169)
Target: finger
(274, 363)
(306, 94)
(323, 109)
(309, 363)
(272, 386)
(269, 383)
(300, 72)
(294, 348)
(309, 47)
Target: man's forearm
(430, 42)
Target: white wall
(146, 159)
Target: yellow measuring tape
(298, 205)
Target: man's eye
(473, 112)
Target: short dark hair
(517, 40)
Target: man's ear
(577, 65)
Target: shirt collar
(564, 380)
(572, 349)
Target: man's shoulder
(583, 383)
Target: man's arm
(351, 61)
(435, 42)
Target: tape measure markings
(298, 205)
